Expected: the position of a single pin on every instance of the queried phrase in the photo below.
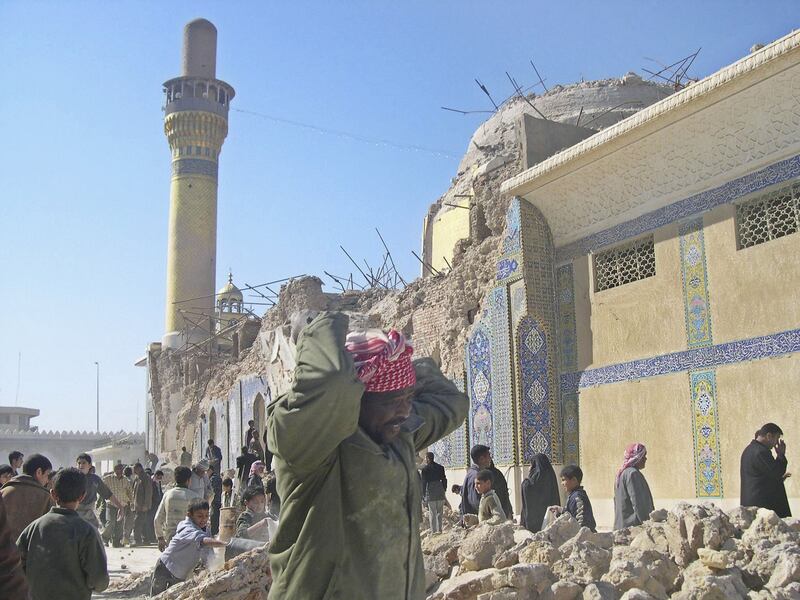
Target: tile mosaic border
(535, 409)
(766, 346)
(705, 434)
(694, 276)
(567, 328)
(502, 399)
(724, 194)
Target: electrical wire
(350, 136)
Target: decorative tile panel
(479, 385)
(502, 405)
(705, 433)
(565, 295)
(194, 166)
(518, 302)
(535, 429)
(707, 357)
(682, 209)
(506, 267)
(452, 451)
(569, 414)
(697, 309)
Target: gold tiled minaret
(195, 123)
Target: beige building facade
(676, 281)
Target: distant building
(17, 418)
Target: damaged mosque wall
(616, 273)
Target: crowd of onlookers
(54, 524)
(485, 493)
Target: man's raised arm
(306, 424)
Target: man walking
(121, 488)
(243, 464)
(434, 485)
(763, 474)
(94, 487)
(142, 500)
(214, 455)
(345, 438)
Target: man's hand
(162, 544)
(780, 448)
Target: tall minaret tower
(195, 123)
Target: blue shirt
(185, 549)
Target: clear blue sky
(83, 212)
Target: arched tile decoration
(535, 425)
(479, 386)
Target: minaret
(195, 123)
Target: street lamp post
(97, 388)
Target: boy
(61, 553)
(578, 504)
(252, 524)
(230, 499)
(490, 511)
(191, 543)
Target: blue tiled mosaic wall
(535, 430)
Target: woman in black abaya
(539, 491)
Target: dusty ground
(122, 562)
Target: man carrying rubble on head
(345, 439)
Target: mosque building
(620, 267)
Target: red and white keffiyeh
(382, 360)
(634, 453)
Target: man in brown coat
(13, 585)
(25, 496)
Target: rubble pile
(246, 577)
(693, 552)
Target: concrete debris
(691, 552)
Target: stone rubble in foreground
(692, 552)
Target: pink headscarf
(382, 360)
(634, 453)
(255, 466)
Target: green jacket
(63, 557)
(349, 524)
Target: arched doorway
(258, 414)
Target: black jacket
(762, 479)
(501, 488)
(470, 499)
(434, 482)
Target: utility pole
(97, 388)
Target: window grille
(769, 216)
(626, 263)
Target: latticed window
(769, 216)
(629, 262)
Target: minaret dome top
(200, 49)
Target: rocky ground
(693, 552)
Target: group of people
(54, 525)
(485, 494)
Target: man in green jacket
(345, 439)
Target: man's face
(118, 469)
(5, 477)
(428, 460)
(159, 478)
(42, 476)
(200, 518)
(772, 439)
(485, 460)
(83, 466)
(382, 413)
(642, 462)
(17, 463)
(201, 472)
(257, 504)
(482, 486)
